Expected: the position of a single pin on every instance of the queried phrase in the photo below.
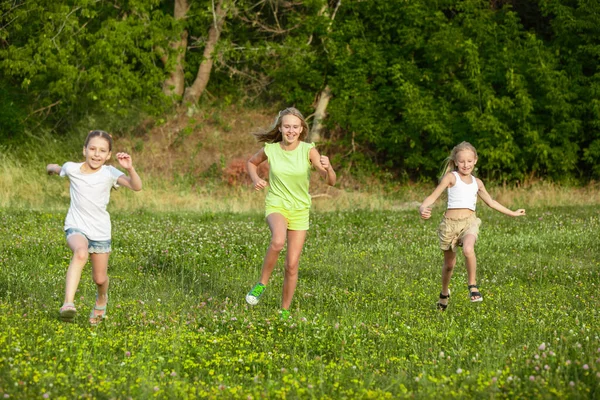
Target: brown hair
(450, 162)
(102, 134)
(273, 134)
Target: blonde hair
(274, 135)
(450, 162)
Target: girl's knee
(100, 279)
(449, 266)
(469, 251)
(80, 254)
(277, 244)
(291, 269)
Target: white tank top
(463, 195)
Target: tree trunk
(325, 95)
(174, 85)
(193, 93)
(317, 126)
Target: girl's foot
(442, 303)
(67, 312)
(284, 314)
(254, 294)
(98, 312)
(475, 296)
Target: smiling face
(465, 162)
(96, 153)
(290, 128)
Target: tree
(398, 83)
(574, 41)
(174, 85)
(92, 57)
(194, 91)
(326, 94)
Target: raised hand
(125, 160)
(325, 162)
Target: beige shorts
(453, 230)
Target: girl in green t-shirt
(288, 202)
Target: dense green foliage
(364, 319)
(410, 79)
(72, 59)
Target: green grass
(364, 319)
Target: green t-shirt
(289, 176)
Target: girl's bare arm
(487, 199)
(322, 164)
(53, 169)
(425, 209)
(252, 166)
(133, 181)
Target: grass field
(364, 320)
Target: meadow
(364, 323)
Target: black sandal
(476, 294)
(440, 306)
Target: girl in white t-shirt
(460, 225)
(87, 225)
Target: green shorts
(297, 220)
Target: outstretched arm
(133, 181)
(252, 166)
(53, 169)
(425, 208)
(322, 164)
(485, 196)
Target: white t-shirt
(90, 194)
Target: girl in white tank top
(460, 226)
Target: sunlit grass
(364, 320)
(203, 171)
(26, 186)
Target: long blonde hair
(450, 162)
(274, 135)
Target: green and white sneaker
(284, 314)
(254, 295)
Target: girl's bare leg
(79, 245)
(100, 276)
(470, 261)
(278, 226)
(294, 249)
(447, 270)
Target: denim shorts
(94, 246)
